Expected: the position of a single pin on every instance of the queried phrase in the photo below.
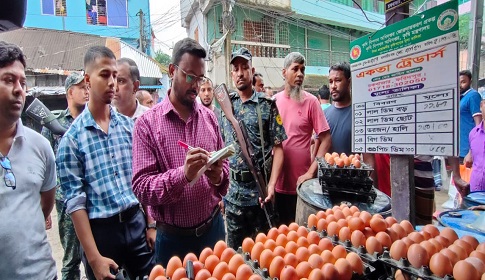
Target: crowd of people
(128, 195)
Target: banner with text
(405, 92)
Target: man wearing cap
(128, 83)
(244, 215)
(77, 96)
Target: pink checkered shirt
(158, 164)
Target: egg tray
(341, 192)
(370, 273)
(404, 265)
(329, 171)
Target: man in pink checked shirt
(188, 217)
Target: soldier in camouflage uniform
(244, 215)
(77, 97)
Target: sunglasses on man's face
(9, 177)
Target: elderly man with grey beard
(301, 115)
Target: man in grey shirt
(339, 114)
(27, 179)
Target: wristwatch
(152, 225)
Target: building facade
(125, 19)
(320, 30)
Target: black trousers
(125, 243)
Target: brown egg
(397, 228)
(399, 275)
(393, 235)
(378, 224)
(338, 214)
(390, 221)
(398, 250)
(333, 228)
(356, 163)
(344, 234)
(354, 209)
(344, 269)
(432, 230)
(426, 235)
(276, 266)
(443, 240)
(440, 265)
(465, 245)
(325, 244)
(481, 247)
(464, 270)
(339, 252)
(478, 254)
(290, 259)
(328, 257)
(416, 237)
(407, 226)
(355, 262)
(327, 156)
(477, 263)
(291, 247)
(417, 256)
(452, 256)
(470, 240)
(407, 241)
(384, 239)
(266, 257)
(346, 211)
(356, 223)
(342, 223)
(331, 161)
(357, 238)
(339, 162)
(449, 234)
(373, 245)
(322, 224)
(330, 272)
(316, 261)
(430, 248)
(347, 162)
(436, 244)
(368, 232)
(366, 217)
(334, 154)
(303, 269)
(460, 252)
(330, 218)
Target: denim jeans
(169, 245)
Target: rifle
(247, 151)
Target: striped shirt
(95, 167)
(158, 164)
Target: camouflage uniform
(244, 216)
(70, 243)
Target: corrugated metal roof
(52, 49)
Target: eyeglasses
(9, 177)
(191, 79)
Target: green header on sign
(435, 22)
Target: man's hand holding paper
(195, 159)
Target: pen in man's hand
(185, 145)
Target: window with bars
(107, 12)
(54, 7)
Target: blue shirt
(95, 167)
(469, 107)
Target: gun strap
(261, 138)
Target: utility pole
(402, 166)
(141, 47)
(227, 27)
(475, 41)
